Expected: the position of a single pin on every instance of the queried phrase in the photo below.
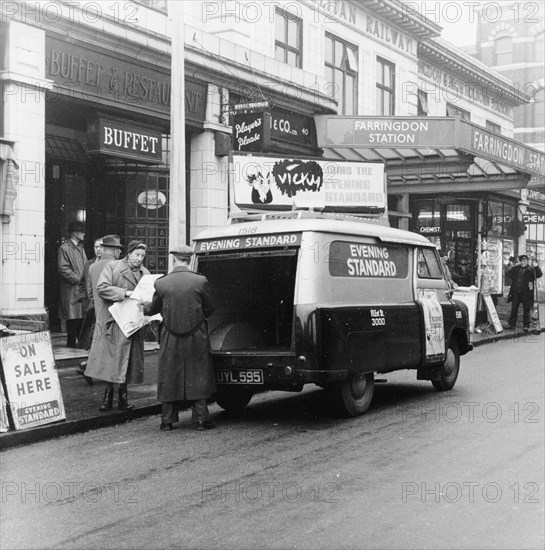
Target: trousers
(170, 410)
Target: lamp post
(177, 199)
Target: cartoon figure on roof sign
(261, 192)
(298, 175)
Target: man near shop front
(114, 357)
(184, 299)
(523, 277)
(110, 250)
(71, 262)
(87, 306)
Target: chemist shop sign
(32, 385)
(110, 136)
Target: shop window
(428, 215)
(453, 110)
(535, 230)
(499, 219)
(289, 38)
(504, 50)
(458, 213)
(341, 72)
(493, 127)
(385, 87)
(423, 109)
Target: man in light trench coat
(185, 373)
(113, 357)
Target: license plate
(254, 376)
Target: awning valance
(429, 154)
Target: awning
(432, 154)
(64, 148)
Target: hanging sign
(251, 131)
(110, 136)
(273, 183)
(32, 384)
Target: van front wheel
(449, 369)
(353, 396)
(233, 399)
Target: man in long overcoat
(185, 373)
(86, 299)
(71, 261)
(523, 277)
(113, 357)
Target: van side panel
(363, 339)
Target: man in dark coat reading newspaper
(185, 373)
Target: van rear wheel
(353, 395)
(449, 369)
(233, 399)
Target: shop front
(460, 185)
(107, 151)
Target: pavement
(81, 400)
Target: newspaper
(128, 315)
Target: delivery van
(309, 298)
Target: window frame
(284, 45)
(507, 52)
(350, 56)
(429, 258)
(462, 113)
(423, 104)
(493, 127)
(383, 89)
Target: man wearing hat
(113, 357)
(185, 373)
(86, 299)
(110, 251)
(71, 261)
(523, 278)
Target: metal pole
(177, 200)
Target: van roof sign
(248, 241)
(265, 182)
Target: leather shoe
(509, 327)
(165, 426)
(206, 425)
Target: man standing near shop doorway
(71, 262)
(523, 277)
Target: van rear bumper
(279, 370)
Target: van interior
(253, 295)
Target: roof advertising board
(269, 183)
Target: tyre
(449, 369)
(353, 396)
(233, 399)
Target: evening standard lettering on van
(254, 241)
(367, 260)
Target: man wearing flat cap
(523, 277)
(71, 262)
(185, 373)
(113, 357)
